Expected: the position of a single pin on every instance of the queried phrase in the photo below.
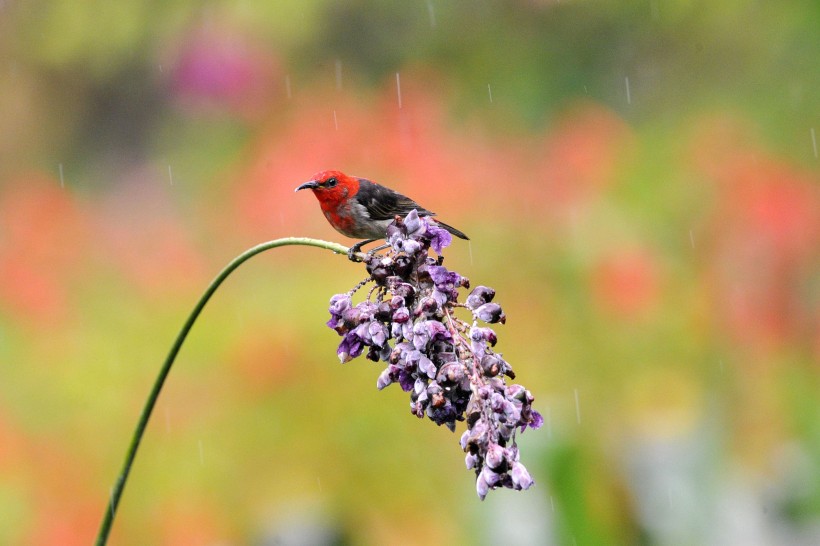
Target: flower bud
(384, 379)
(412, 223)
(520, 477)
(401, 315)
(491, 313)
(495, 456)
(403, 266)
(428, 305)
(490, 365)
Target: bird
(361, 209)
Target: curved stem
(119, 485)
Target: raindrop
(170, 175)
(398, 88)
(490, 91)
(62, 182)
(338, 74)
(628, 95)
(577, 408)
(814, 142)
(432, 14)
(160, 68)
(287, 87)
(335, 120)
(691, 238)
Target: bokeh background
(640, 183)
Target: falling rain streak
(62, 182)
(490, 91)
(335, 120)
(432, 13)
(691, 239)
(398, 88)
(170, 175)
(628, 95)
(577, 408)
(814, 142)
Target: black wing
(384, 204)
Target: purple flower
(448, 367)
(426, 366)
(350, 347)
(443, 279)
(440, 239)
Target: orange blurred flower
(627, 283)
(766, 239)
(44, 234)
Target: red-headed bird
(362, 209)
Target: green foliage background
(640, 184)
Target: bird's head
(331, 187)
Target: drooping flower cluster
(448, 366)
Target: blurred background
(640, 183)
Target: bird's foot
(354, 252)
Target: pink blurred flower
(219, 67)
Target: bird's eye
(330, 182)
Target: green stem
(116, 493)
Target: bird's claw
(354, 254)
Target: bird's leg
(378, 248)
(355, 249)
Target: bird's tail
(452, 230)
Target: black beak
(310, 185)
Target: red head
(331, 188)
